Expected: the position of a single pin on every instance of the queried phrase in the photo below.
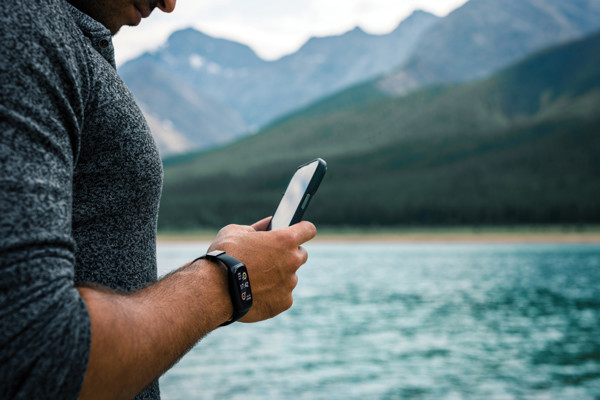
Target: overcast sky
(272, 28)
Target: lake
(404, 321)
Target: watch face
(242, 286)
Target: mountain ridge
(249, 91)
(211, 92)
(483, 36)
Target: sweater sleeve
(44, 323)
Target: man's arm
(53, 335)
(136, 337)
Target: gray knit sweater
(80, 181)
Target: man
(81, 312)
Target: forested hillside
(520, 147)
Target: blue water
(395, 321)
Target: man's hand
(136, 337)
(272, 259)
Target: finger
(304, 231)
(262, 225)
(294, 281)
(303, 255)
(234, 228)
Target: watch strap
(237, 281)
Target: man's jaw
(140, 10)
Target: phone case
(311, 189)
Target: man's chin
(131, 24)
(113, 29)
(118, 29)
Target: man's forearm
(136, 337)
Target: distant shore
(501, 234)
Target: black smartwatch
(239, 284)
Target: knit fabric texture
(80, 182)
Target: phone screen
(293, 195)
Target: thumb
(304, 231)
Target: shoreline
(500, 235)
(467, 238)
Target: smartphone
(299, 193)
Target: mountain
(172, 92)
(209, 91)
(520, 147)
(206, 92)
(484, 36)
(326, 65)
